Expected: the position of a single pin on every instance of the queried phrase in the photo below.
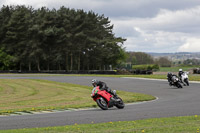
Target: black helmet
(169, 74)
(95, 82)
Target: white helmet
(180, 70)
(95, 82)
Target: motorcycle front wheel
(101, 102)
(120, 104)
(179, 85)
(187, 82)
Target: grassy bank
(26, 95)
(176, 69)
(158, 76)
(192, 77)
(186, 124)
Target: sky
(148, 25)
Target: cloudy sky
(148, 25)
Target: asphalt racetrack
(170, 102)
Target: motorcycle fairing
(96, 92)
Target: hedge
(153, 67)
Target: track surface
(171, 102)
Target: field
(186, 124)
(175, 69)
(192, 77)
(28, 95)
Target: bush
(145, 69)
(196, 71)
(152, 67)
(123, 72)
(6, 60)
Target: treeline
(191, 62)
(141, 58)
(62, 39)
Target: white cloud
(84, 4)
(166, 20)
(179, 21)
(12, 2)
(165, 32)
(191, 45)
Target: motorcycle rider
(103, 86)
(180, 76)
(169, 78)
(180, 73)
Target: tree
(6, 61)
(164, 62)
(5, 15)
(139, 58)
(17, 34)
(191, 62)
(59, 39)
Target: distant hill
(178, 55)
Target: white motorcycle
(185, 78)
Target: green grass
(26, 95)
(186, 124)
(192, 77)
(30, 95)
(176, 69)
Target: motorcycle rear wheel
(101, 102)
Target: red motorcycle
(105, 100)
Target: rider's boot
(115, 97)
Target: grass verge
(158, 76)
(176, 69)
(27, 95)
(185, 124)
(192, 77)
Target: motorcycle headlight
(175, 79)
